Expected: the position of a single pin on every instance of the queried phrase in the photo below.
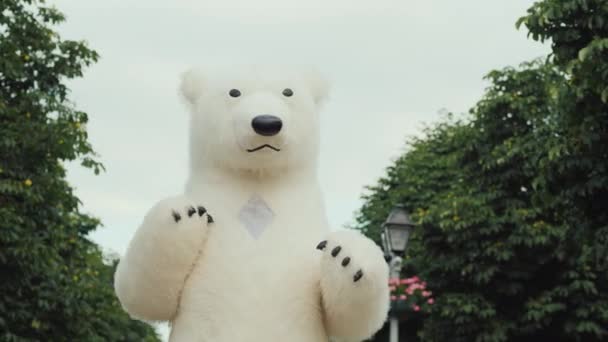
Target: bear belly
(253, 290)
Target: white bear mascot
(245, 254)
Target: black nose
(266, 125)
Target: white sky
(393, 64)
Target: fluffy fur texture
(212, 278)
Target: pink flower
(393, 297)
(393, 281)
(409, 291)
(426, 293)
(408, 281)
(416, 308)
(403, 297)
(430, 301)
(392, 288)
(412, 288)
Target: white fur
(215, 282)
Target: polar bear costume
(245, 254)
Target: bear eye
(235, 93)
(287, 92)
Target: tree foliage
(54, 284)
(511, 200)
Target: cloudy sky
(393, 64)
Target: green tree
(54, 284)
(511, 200)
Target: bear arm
(354, 286)
(150, 277)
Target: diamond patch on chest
(256, 216)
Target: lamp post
(396, 233)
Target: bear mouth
(264, 146)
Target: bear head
(256, 119)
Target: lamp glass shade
(384, 241)
(397, 236)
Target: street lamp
(397, 229)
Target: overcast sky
(393, 65)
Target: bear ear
(191, 85)
(319, 86)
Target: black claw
(191, 211)
(176, 216)
(358, 276)
(209, 219)
(201, 210)
(336, 251)
(321, 246)
(346, 261)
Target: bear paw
(343, 261)
(350, 255)
(190, 212)
(179, 218)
